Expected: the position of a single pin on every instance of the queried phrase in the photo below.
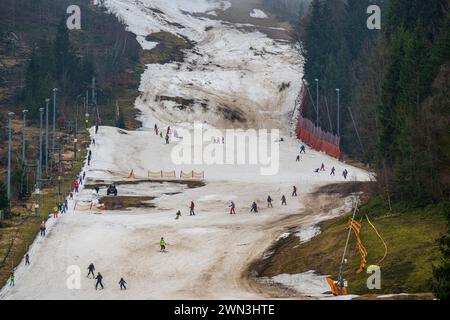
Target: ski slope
(230, 67)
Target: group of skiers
(99, 278)
(160, 133)
(322, 166)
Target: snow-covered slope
(230, 69)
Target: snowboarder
(76, 185)
(294, 191)
(297, 159)
(27, 259)
(122, 284)
(269, 202)
(99, 279)
(283, 201)
(317, 170)
(254, 207)
(42, 228)
(232, 208)
(12, 280)
(191, 207)
(178, 215)
(322, 167)
(162, 244)
(91, 269)
(302, 149)
(333, 171)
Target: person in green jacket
(178, 215)
(162, 244)
(12, 280)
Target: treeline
(395, 82)
(56, 64)
(67, 59)
(288, 9)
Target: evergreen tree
(4, 203)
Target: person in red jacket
(191, 207)
(76, 185)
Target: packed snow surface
(230, 70)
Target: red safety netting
(314, 136)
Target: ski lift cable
(328, 113)
(310, 97)
(356, 130)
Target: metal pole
(317, 101)
(8, 192)
(338, 112)
(41, 112)
(24, 133)
(47, 101)
(54, 126)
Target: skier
(55, 212)
(156, 129)
(223, 140)
(122, 284)
(42, 228)
(333, 171)
(66, 204)
(297, 159)
(168, 130)
(93, 142)
(254, 207)
(162, 244)
(322, 167)
(96, 128)
(345, 173)
(12, 280)
(160, 134)
(76, 185)
(191, 207)
(27, 259)
(269, 202)
(97, 189)
(71, 195)
(84, 174)
(317, 170)
(294, 191)
(232, 207)
(178, 215)
(91, 269)
(303, 149)
(283, 201)
(99, 279)
(167, 139)
(89, 160)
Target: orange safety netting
(318, 139)
(356, 228)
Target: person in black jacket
(91, 269)
(99, 279)
(122, 284)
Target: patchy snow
(256, 13)
(307, 232)
(308, 283)
(228, 69)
